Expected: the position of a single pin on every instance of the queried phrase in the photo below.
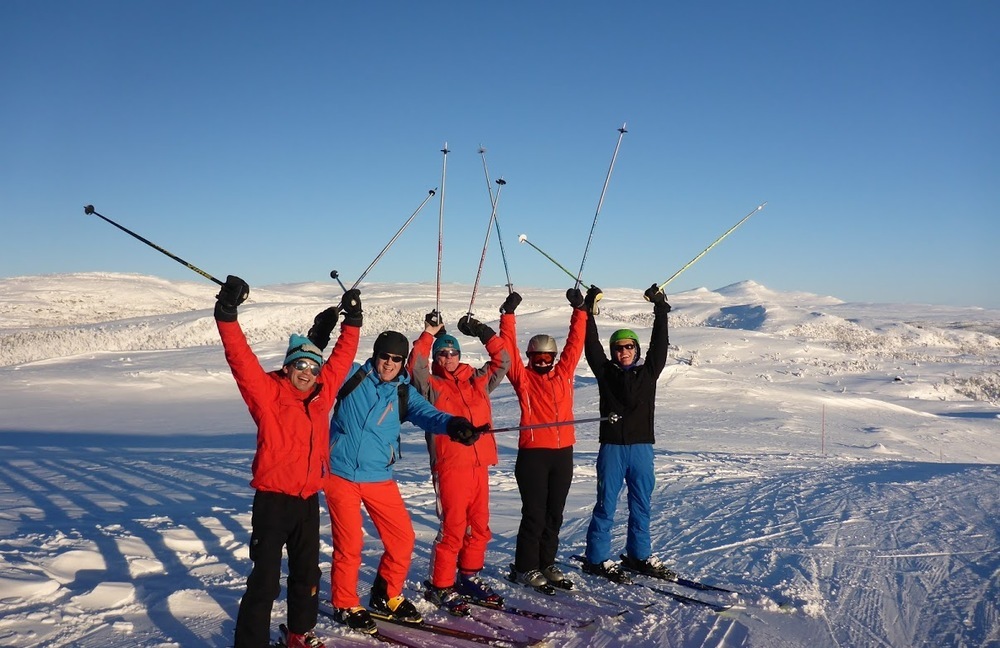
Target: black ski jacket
(631, 393)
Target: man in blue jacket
(364, 438)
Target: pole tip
(522, 238)
(88, 209)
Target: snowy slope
(835, 462)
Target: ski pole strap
(612, 418)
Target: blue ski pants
(631, 465)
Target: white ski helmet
(542, 343)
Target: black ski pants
(280, 521)
(543, 478)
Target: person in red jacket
(544, 465)
(291, 408)
(460, 472)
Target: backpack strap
(349, 385)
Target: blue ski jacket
(365, 429)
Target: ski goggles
(302, 364)
(389, 357)
(542, 357)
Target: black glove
(322, 326)
(510, 303)
(574, 297)
(655, 294)
(462, 430)
(594, 295)
(473, 327)
(233, 293)
(350, 303)
(434, 318)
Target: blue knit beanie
(299, 346)
(446, 342)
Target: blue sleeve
(421, 413)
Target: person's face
(541, 361)
(624, 352)
(388, 365)
(302, 373)
(448, 359)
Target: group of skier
(334, 426)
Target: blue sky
(279, 141)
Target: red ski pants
(385, 507)
(463, 505)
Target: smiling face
(388, 365)
(302, 373)
(624, 352)
(448, 359)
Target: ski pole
(714, 243)
(489, 228)
(607, 179)
(613, 418)
(523, 238)
(393, 239)
(444, 170)
(89, 210)
(503, 253)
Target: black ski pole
(503, 253)
(607, 179)
(489, 228)
(613, 418)
(393, 239)
(89, 210)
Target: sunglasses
(302, 364)
(624, 347)
(543, 357)
(390, 357)
(447, 353)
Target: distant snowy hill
(837, 463)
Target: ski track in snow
(124, 462)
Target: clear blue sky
(280, 140)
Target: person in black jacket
(627, 386)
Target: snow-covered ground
(835, 462)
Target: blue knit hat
(446, 342)
(299, 346)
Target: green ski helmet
(625, 334)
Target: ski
(679, 580)
(676, 596)
(536, 616)
(456, 633)
(377, 636)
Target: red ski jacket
(293, 426)
(546, 398)
(463, 393)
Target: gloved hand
(655, 294)
(462, 430)
(434, 319)
(350, 303)
(511, 303)
(233, 293)
(574, 297)
(322, 326)
(475, 328)
(594, 295)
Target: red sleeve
(335, 369)
(508, 331)
(252, 380)
(573, 348)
